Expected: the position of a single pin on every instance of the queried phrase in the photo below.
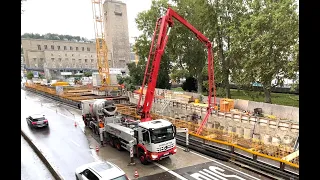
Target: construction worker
(101, 125)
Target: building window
(79, 60)
(82, 48)
(58, 47)
(77, 48)
(65, 54)
(90, 55)
(66, 59)
(52, 59)
(88, 49)
(73, 60)
(71, 48)
(39, 47)
(92, 60)
(51, 54)
(34, 59)
(41, 59)
(72, 54)
(52, 47)
(85, 60)
(65, 48)
(45, 47)
(60, 59)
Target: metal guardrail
(232, 155)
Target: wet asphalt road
(63, 144)
(32, 167)
(68, 147)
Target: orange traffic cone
(136, 175)
(75, 124)
(97, 148)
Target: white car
(100, 171)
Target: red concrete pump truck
(150, 140)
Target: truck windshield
(162, 134)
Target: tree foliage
(52, 36)
(254, 40)
(29, 75)
(146, 22)
(268, 43)
(190, 84)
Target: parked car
(100, 171)
(37, 120)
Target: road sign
(131, 151)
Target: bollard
(131, 154)
(187, 142)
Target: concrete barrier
(52, 170)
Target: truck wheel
(143, 158)
(111, 142)
(118, 144)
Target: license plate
(165, 154)
(40, 122)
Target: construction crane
(162, 30)
(101, 46)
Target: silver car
(100, 171)
(37, 120)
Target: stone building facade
(54, 56)
(117, 33)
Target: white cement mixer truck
(150, 141)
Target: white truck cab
(155, 140)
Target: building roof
(30, 39)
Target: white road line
(74, 142)
(221, 164)
(169, 171)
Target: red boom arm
(155, 54)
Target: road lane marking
(74, 142)
(169, 171)
(220, 164)
(166, 169)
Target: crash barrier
(68, 102)
(231, 138)
(52, 170)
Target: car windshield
(39, 119)
(123, 177)
(162, 134)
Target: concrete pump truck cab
(150, 141)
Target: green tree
(146, 22)
(268, 42)
(87, 74)
(189, 50)
(29, 75)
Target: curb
(52, 170)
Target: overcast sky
(73, 17)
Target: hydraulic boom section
(162, 30)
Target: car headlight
(154, 156)
(175, 150)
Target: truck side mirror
(174, 131)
